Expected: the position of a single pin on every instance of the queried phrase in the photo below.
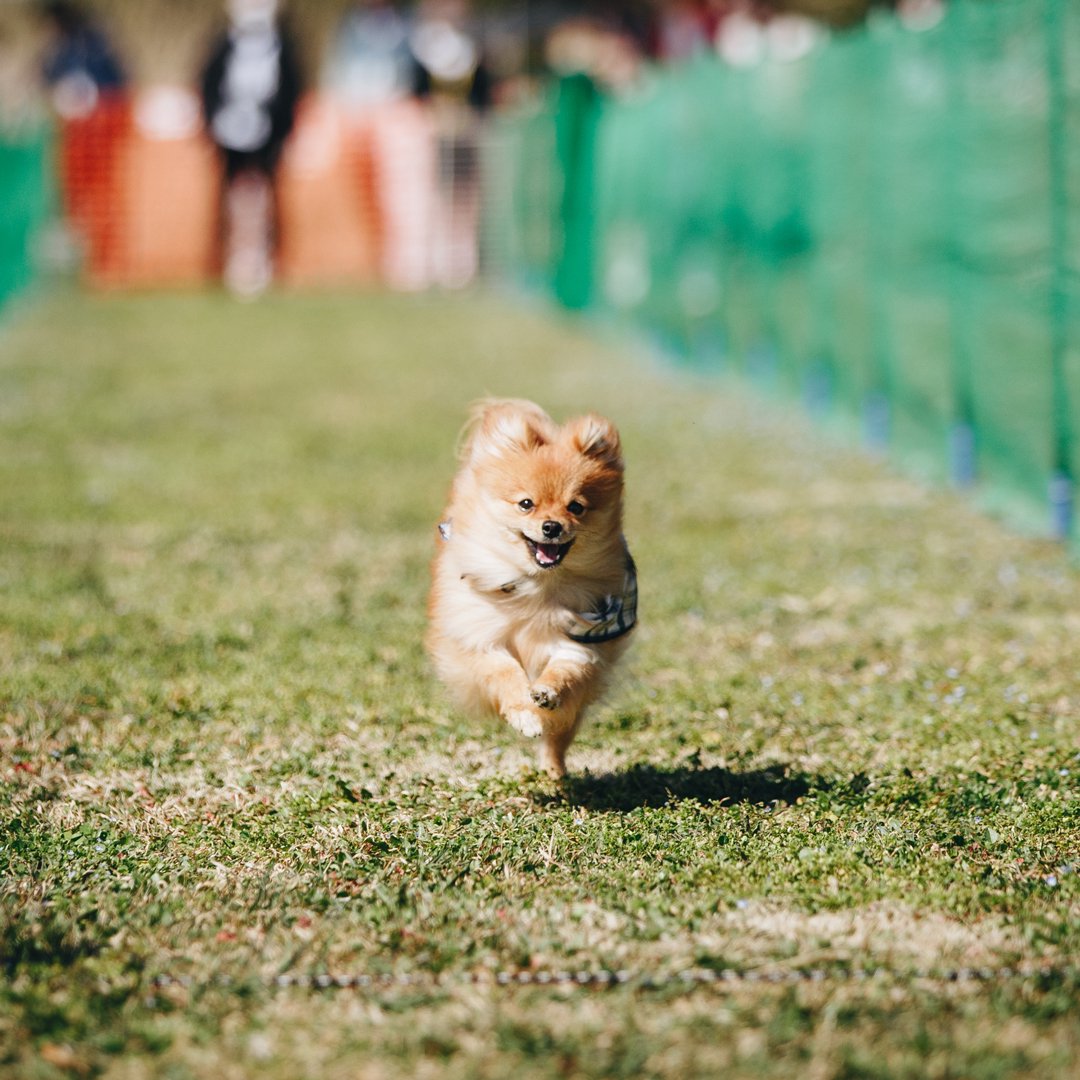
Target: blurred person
(370, 74)
(87, 88)
(685, 30)
(79, 65)
(741, 38)
(370, 62)
(605, 51)
(635, 23)
(250, 90)
(451, 78)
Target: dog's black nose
(551, 530)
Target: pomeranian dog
(534, 592)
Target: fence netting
(886, 227)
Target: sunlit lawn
(846, 738)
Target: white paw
(525, 721)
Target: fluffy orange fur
(532, 537)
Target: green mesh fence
(24, 202)
(887, 227)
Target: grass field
(846, 739)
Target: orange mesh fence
(90, 151)
(357, 200)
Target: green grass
(845, 739)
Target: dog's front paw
(526, 721)
(545, 697)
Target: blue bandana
(613, 616)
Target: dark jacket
(281, 107)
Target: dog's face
(554, 493)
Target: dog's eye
(576, 508)
(526, 505)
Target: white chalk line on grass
(603, 978)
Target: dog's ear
(596, 438)
(501, 426)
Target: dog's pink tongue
(547, 553)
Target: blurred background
(869, 208)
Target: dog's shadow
(649, 786)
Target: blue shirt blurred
(84, 53)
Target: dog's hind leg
(553, 749)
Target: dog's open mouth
(547, 555)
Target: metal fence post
(576, 118)
(1062, 482)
